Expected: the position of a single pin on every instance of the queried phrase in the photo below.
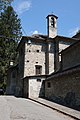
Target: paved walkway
(12, 108)
(65, 110)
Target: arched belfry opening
(52, 26)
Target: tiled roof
(45, 38)
(52, 15)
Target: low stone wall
(64, 89)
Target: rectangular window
(38, 70)
(49, 84)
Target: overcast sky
(33, 15)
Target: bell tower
(51, 26)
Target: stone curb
(71, 114)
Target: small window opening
(29, 50)
(52, 21)
(27, 60)
(38, 80)
(48, 84)
(38, 70)
(37, 51)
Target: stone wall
(11, 81)
(59, 45)
(71, 56)
(34, 55)
(63, 45)
(64, 89)
(33, 87)
(26, 88)
(21, 61)
(51, 57)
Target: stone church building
(43, 60)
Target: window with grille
(38, 70)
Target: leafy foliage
(10, 24)
(4, 4)
(10, 33)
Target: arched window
(52, 22)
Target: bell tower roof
(52, 16)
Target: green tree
(10, 24)
(4, 4)
(10, 33)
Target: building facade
(39, 60)
(64, 86)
